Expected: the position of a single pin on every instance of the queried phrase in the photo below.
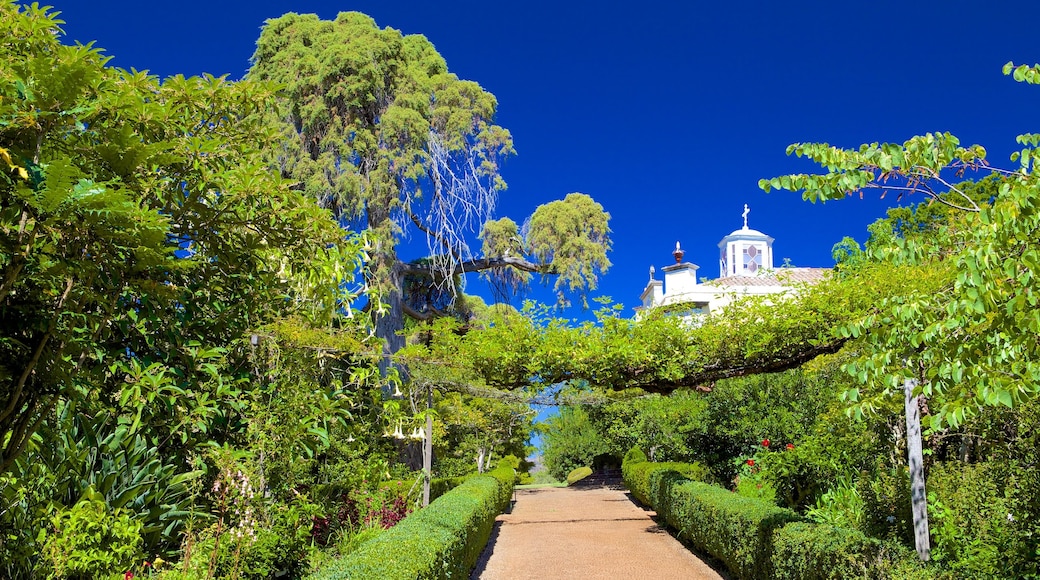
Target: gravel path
(584, 532)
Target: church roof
(778, 277)
(747, 232)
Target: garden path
(584, 532)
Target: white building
(745, 268)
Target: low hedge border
(754, 538)
(440, 541)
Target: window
(752, 258)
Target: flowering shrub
(360, 509)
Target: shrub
(886, 504)
(442, 540)
(736, 530)
(443, 485)
(646, 480)
(757, 539)
(972, 521)
(841, 506)
(91, 541)
(634, 455)
(806, 551)
(578, 474)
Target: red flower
(790, 446)
(128, 575)
(147, 563)
(765, 443)
(751, 462)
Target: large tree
(378, 129)
(138, 223)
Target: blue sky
(667, 113)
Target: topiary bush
(441, 541)
(578, 474)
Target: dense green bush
(806, 551)
(578, 474)
(633, 455)
(89, 540)
(736, 530)
(443, 540)
(755, 538)
(570, 441)
(972, 521)
(443, 485)
(647, 480)
(886, 504)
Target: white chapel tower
(745, 251)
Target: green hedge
(809, 551)
(649, 481)
(443, 485)
(441, 541)
(754, 538)
(737, 530)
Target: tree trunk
(481, 452)
(390, 322)
(428, 449)
(915, 457)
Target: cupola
(745, 252)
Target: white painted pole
(427, 459)
(915, 457)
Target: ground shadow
(661, 527)
(485, 555)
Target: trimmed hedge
(809, 551)
(754, 538)
(441, 541)
(649, 481)
(737, 530)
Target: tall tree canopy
(135, 216)
(378, 129)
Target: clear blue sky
(667, 113)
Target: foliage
(571, 235)
(817, 552)
(662, 425)
(649, 480)
(578, 474)
(442, 540)
(570, 441)
(633, 455)
(840, 506)
(89, 454)
(90, 540)
(663, 354)
(756, 539)
(973, 524)
(970, 339)
(886, 503)
(142, 213)
(376, 128)
(838, 447)
(735, 529)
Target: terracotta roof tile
(778, 277)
